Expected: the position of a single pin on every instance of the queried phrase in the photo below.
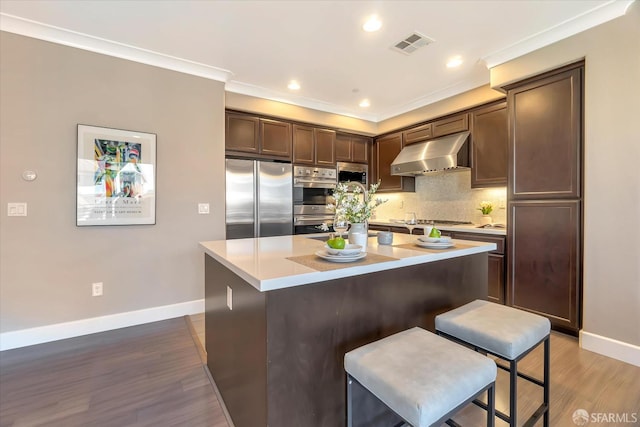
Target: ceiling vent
(411, 43)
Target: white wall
(47, 264)
(612, 172)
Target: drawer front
(498, 240)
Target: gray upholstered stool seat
(422, 377)
(508, 333)
(505, 331)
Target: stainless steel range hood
(446, 153)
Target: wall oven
(353, 172)
(312, 189)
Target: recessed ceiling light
(456, 61)
(372, 24)
(294, 85)
(365, 103)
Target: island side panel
(236, 344)
(311, 327)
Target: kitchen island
(279, 319)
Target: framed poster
(116, 177)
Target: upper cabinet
(386, 150)
(352, 148)
(262, 138)
(418, 134)
(545, 140)
(489, 146)
(314, 146)
(451, 124)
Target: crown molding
(50, 33)
(594, 17)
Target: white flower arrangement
(357, 205)
(485, 207)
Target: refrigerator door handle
(256, 197)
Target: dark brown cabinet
(545, 151)
(451, 124)
(242, 133)
(387, 149)
(258, 137)
(314, 146)
(489, 146)
(544, 196)
(418, 134)
(545, 260)
(496, 268)
(352, 148)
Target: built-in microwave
(353, 172)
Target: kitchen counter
(277, 329)
(263, 262)
(470, 228)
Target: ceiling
(257, 47)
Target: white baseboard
(615, 349)
(60, 331)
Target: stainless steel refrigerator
(259, 198)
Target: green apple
(435, 233)
(336, 243)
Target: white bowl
(349, 249)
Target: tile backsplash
(444, 195)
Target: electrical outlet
(229, 298)
(96, 289)
(502, 204)
(203, 208)
(16, 209)
(401, 204)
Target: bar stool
(505, 332)
(423, 378)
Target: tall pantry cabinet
(544, 195)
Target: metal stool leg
(513, 393)
(349, 398)
(547, 380)
(491, 406)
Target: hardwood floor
(153, 375)
(147, 375)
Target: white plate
(340, 258)
(443, 245)
(349, 250)
(443, 239)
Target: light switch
(203, 208)
(16, 209)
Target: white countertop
(471, 228)
(262, 262)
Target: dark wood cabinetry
(497, 267)
(418, 134)
(352, 148)
(544, 196)
(546, 126)
(242, 133)
(314, 146)
(387, 149)
(489, 146)
(545, 260)
(451, 124)
(246, 134)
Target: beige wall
(612, 174)
(293, 112)
(47, 264)
(463, 101)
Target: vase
(486, 219)
(358, 235)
